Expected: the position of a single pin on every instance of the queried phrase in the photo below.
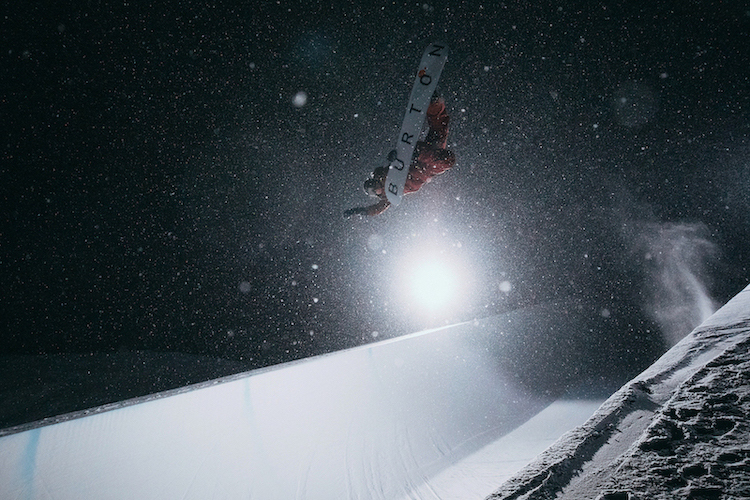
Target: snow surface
(426, 416)
(678, 430)
(478, 475)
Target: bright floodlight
(433, 284)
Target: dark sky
(160, 190)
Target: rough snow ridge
(557, 466)
(678, 430)
(697, 446)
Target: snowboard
(428, 74)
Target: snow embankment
(681, 429)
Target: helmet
(370, 186)
(376, 181)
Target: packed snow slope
(412, 417)
(681, 429)
(38, 390)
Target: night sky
(161, 189)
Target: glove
(355, 211)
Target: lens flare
(433, 284)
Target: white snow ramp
(376, 422)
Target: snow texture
(426, 417)
(678, 430)
(377, 422)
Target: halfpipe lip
(95, 410)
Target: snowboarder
(431, 157)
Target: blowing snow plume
(676, 257)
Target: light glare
(433, 284)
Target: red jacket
(428, 162)
(430, 158)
